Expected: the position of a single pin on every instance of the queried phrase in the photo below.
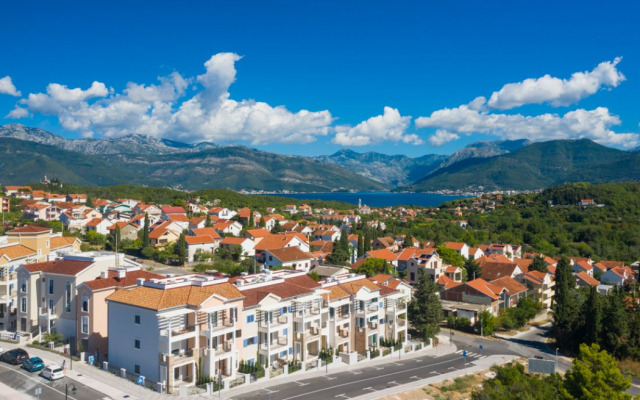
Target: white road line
(434, 372)
(459, 351)
(414, 377)
(330, 378)
(300, 383)
(398, 364)
(370, 388)
(452, 368)
(378, 368)
(343, 395)
(419, 360)
(393, 383)
(365, 380)
(271, 390)
(355, 372)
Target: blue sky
(312, 78)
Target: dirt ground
(451, 389)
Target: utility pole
(481, 327)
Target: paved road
(361, 381)
(25, 382)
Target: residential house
(127, 230)
(386, 242)
(540, 286)
(247, 246)
(5, 203)
(92, 311)
(99, 225)
(228, 227)
(476, 292)
(513, 292)
(200, 244)
(429, 262)
(164, 328)
(76, 198)
(583, 279)
(288, 257)
(458, 247)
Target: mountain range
(27, 154)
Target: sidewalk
(442, 349)
(117, 388)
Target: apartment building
(47, 291)
(162, 328)
(427, 260)
(4, 204)
(91, 310)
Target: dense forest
(550, 222)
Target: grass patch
(629, 367)
(460, 384)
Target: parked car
(15, 356)
(1, 350)
(33, 364)
(52, 372)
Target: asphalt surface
(26, 382)
(360, 381)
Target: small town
(198, 298)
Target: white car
(1, 350)
(53, 372)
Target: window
(251, 318)
(51, 304)
(290, 350)
(284, 331)
(85, 324)
(283, 310)
(136, 319)
(67, 296)
(85, 303)
(136, 343)
(136, 369)
(50, 286)
(250, 341)
(23, 304)
(23, 287)
(412, 276)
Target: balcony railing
(45, 311)
(401, 322)
(343, 332)
(280, 341)
(224, 348)
(280, 320)
(372, 324)
(222, 324)
(373, 307)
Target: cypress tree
(616, 327)
(250, 224)
(593, 317)
(181, 249)
(360, 246)
(145, 232)
(425, 310)
(565, 310)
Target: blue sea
(378, 199)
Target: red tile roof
(130, 279)
(588, 279)
(29, 229)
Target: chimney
(122, 273)
(104, 274)
(140, 281)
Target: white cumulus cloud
(442, 137)
(556, 91)
(388, 127)
(168, 110)
(17, 113)
(591, 124)
(7, 87)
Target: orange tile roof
(260, 232)
(336, 292)
(209, 231)
(69, 267)
(512, 286)
(16, 251)
(584, 265)
(447, 282)
(485, 288)
(95, 222)
(284, 290)
(130, 279)
(289, 254)
(161, 299)
(29, 229)
(588, 279)
(455, 245)
(234, 241)
(37, 267)
(62, 241)
(354, 286)
(380, 278)
(385, 254)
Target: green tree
(616, 327)
(512, 383)
(250, 223)
(473, 269)
(595, 375)
(360, 246)
(145, 232)
(449, 256)
(485, 324)
(373, 266)
(367, 243)
(425, 309)
(148, 252)
(565, 310)
(262, 222)
(338, 254)
(207, 222)
(95, 238)
(181, 249)
(277, 228)
(538, 264)
(592, 311)
(89, 202)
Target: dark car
(33, 364)
(15, 356)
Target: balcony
(373, 307)
(372, 324)
(401, 322)
(274, 323)
(276, 345)
(179, 357)
(226, 347)
(222, 327)
(181, 333)
(343, 332)
(48, 312)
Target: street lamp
(66, 390)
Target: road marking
(355, 372)
(451, 368)
(342, 395)
(398, 364)
(378, 368)
(414, 377)
(459, 351)
(434, 372)
(37, 381)
(405, 371)
(393, 383)
(329, 377)
(419, 360)
(370, 388)
(270, 390)
(300, 383)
